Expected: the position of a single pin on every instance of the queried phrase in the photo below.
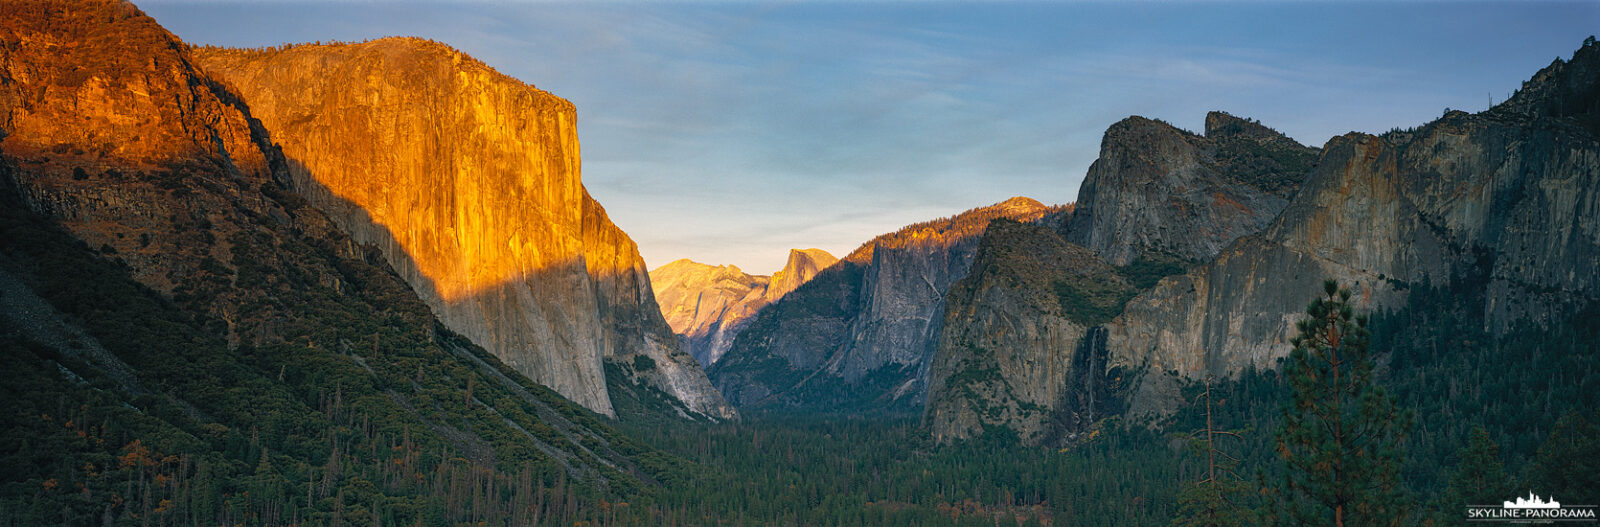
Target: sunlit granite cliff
(469, 183)
(708, 305)
(158, 272)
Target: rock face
(1025, 340)
(1012, 352)
(112, 130)
(708, 305)
(468, 181)
(1159, 188)
(858, 336)
(212, 286)
(802, 266)
(1507, 200)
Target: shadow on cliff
(555, 323)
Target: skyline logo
(1532, 509)
(1532, 502)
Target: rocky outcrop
(801, 267)
(148, 233)
(468, 182)
(1158, 188)
(1025, 343)
(1016, 350)
(858, 336)
(1506, 201)
(130, 146)
(708, 305)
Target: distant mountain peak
(707, 305)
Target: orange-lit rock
(115, 133)
(469, 182)
(709, 305)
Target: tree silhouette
(1340, 430)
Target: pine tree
(1568, 466)
(1340, 430)
(1214, 501)
(1479, 479)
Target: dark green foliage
(794, 470)
(1274, 166)
(1223, 498)
(1151, 267)
(1568, 465)
(642, 363)
(1095, 299)
(1479, 479)
(1091, 302)
(1340, 434)
(365, 414)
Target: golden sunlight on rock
(469, 181)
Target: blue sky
(729, 132)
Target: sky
(730, 132)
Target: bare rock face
(1012, 353)
(802, 266)
(469, 183)
(1158, 188)
(858, 336)
(1026, 335)
(1507, 200)
(110, 128)
(707, 306)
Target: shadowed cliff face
(1158, 188)
(708, 305)
(469, 182)
(1506, 201)
(858, 336)
(1012, 353)
(1025, 338)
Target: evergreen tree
(1479, 479)
(1340, 431)
(1568, 466)
(1216, 500)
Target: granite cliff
(1158, 188)
(1025, 333)
(1507, 200)
(859, 335)
(468, 181)
(122, 139)
(708, 305)
(1020, 344)
(149, 235)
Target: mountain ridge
(861, 331)
(708, 305)
(1504, 200)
